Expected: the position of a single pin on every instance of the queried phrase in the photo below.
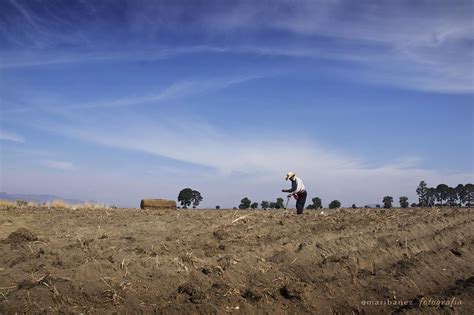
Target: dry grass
(80, 206)
(91, 206)
(55, 204)
(186, 260)
(8, 204)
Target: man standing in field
(297, 190)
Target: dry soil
(367, 261)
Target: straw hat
(290, 175)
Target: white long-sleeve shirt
(297, 186)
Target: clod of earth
(194, 292)
(292, 291)
(252, 295)
(21, 235)
(279, 257)
(221, 234)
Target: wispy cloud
(25, 13)
(176, 90)
(416, 45)
(11, 136)
(422, 46)
(412, 68)
(59, 165)
(29, 58)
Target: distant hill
(36, 198)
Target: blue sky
(114, 101)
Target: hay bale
(157, 204)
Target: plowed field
(366, 261)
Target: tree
(334, 204)
(469, 194)
(245, 203)
(273, 205)
(196, 198)
(422, 192)
(218, 207)
(430, 197)
(404, 202)
(414, 205)
(442, 192)
(279, 203)
(354, 206)
(254, 205)
(452, 196)
(317, 203)
(186, 197)
(461, 193)
(264, 204)
(387, 202)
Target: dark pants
(300, 202)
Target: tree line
(441, 195)
(461, 195)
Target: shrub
(21, 203)
(218, 207)
(334, 204)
